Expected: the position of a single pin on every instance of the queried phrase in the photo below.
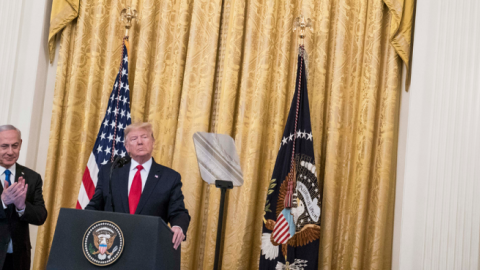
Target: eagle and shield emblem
(103, 243)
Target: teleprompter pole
(223, 185)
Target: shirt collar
(12, 169)
(146, 166)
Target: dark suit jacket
(162, 195)
(16, 228)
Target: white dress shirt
(143, 173)
(12, 180)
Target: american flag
(110, 138)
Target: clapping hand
(15, 193)
(22, 195)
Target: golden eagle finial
(126, 16)
(302, 23)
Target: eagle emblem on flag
(300, 224)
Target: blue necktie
(7, 177)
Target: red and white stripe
(89, 182)
(281, 232)
(102, 249)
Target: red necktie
(135, 190)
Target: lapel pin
(156, 176)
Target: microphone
(124, 161)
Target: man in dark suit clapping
(22, 202)
(143, 186)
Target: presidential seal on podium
(103, 243)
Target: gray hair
(11, 127)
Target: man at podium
(143, 186)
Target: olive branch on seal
(270, 191)
(91, 249)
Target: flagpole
(294, 222)
(302, 23)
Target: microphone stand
(120, 162)
(114, 164)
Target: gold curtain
(186, 76)
(63, 13)
(401, 27)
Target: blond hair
(135, 126)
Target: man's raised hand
(10, 192)
(19, 200)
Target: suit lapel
(19, 172)
(153, 178)
(122, 189)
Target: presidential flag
(291, 223)
(110, 141)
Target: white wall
(27, 80)
(437, 212)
